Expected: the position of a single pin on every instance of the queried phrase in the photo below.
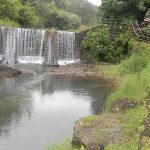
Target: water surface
(41, 109)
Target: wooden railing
(138, 33)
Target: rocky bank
(7, 72)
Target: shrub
(102, 46)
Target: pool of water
(39, 110)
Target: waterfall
(18, 45)
(66, 45)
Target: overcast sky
(95, 2)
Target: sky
(95, 2)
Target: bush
(102, 46)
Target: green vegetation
(66, 145)
(102, 45)
(60, 14)
(113, 44)
(135, 76)
(8, 22)
(124, 10)
(135, 84)
(131, 126)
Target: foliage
(9, 9)
(85, 10)
(133, 86)
(8, 22)
(103, 46)
(136, 73)
(121, 10)
(146, 30)
(60, 14)
(28, 18)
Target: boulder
(147, 123)
(94, 132)
(7, 72)
(148, 104)
(94, 146)
(144, 142)
(122, 104)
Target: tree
(28, 18)
(121, 9)
(10, 9)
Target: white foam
(30, 59)
(1, 57)
(66, 62)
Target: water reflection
(37, 112)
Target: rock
(26, 73)
(7, 72)
(122, 105)
(94, 146)
(144, 142)
(148, 104)
(147, 123)
(94, 132)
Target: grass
(131, 126)
(66, 145)
(9, 23)
(60, 146)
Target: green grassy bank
(135, 84)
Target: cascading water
(30, 46)
(66, 46)
(36, 46)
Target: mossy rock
(123, 104)
(99, 130)
(144, 143)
